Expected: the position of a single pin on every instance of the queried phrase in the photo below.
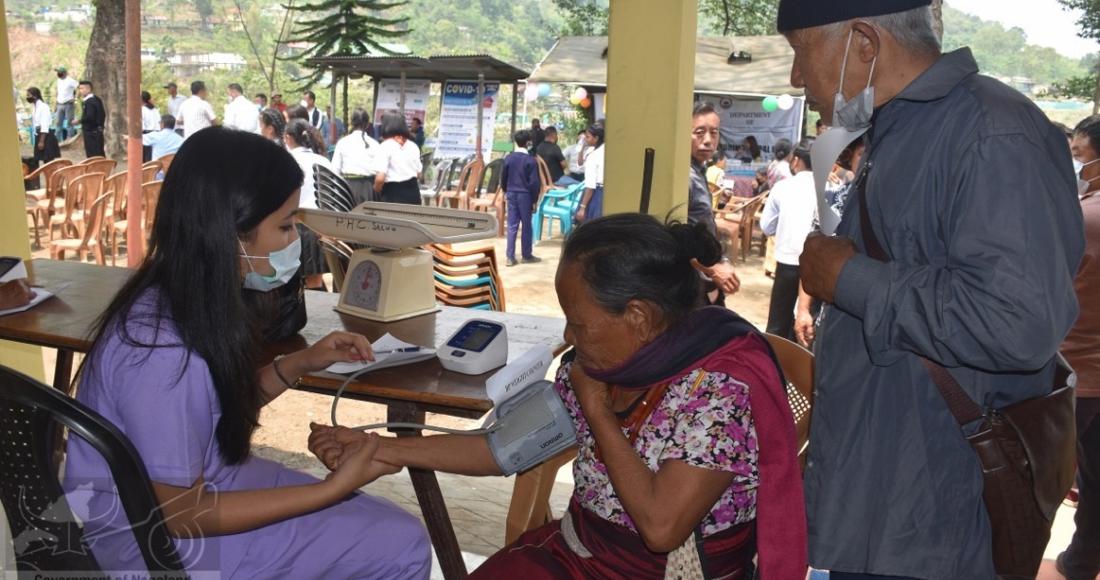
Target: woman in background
(272, 125)
(397, 163)
(591, 206)
(354, 157)
(299, 141)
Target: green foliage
(583, 17)
(205, 8)
(345, 27)
(1082, 88)
(1006, 52)
(737, 17)
(1089, 22)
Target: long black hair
(274, 118)
(393, 125)
(226, 182)
(147, 100)
(305, 135)
(596, 130)
(35, 93)
(631, 256)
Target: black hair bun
(696, 241)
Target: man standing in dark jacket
(969, 189)
(520, 179)
(92, 119)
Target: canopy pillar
(649, 100)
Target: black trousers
(1082, 559)
(93, 143)
(784, 298)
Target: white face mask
(856, 113)
(1083, 184)
(285, 262)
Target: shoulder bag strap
(962, 407)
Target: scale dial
(364, 286)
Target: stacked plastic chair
(466, 275)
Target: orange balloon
(586, 102)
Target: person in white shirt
(354, 157)
(575, 155)
(150, 122)
(397, 163)
(196, 113)
(46, 148)
(591, 206)
(298, 138)
(66, 102)
(315, 116)
(789, 216)
(241, 113)
(174, 101)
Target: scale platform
(392, 279)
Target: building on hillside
(192, 64)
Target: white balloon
(786, 102)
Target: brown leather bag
(1027, 449)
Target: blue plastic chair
(557, 204)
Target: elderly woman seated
(686, 444)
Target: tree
(1089, 24)
(345, 27)
(739, 17)
(254, 42)
(583, 17)
(205, 8)
(105, 66)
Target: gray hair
(912, 29)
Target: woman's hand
(357, 466)
(338, 346)
(579, 215)
(594, 396)
(14, 294)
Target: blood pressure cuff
(530, 428)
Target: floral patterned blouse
(707, 425)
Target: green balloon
(770, 104)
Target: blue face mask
(285, 262)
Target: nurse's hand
(338, 346)
(357, 465)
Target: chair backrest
(81, 191)
(748, 212)
(166, 162)
(150, 195)
(116, 185)
(92, 159)
(46, 171)
(60, 179)
(490, 178)
(446, 174)
(333, 191)
(104, 166)
(93, 219)
(798, 368)
(45, 530)
(544, 178)
(149, 171)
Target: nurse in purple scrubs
(174, 366)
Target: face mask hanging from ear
(851, 119)
(1083, 184)
(285, 262)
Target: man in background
(196, 113)
(313, 114)
(536, 133)
(92, 118)
(549, 151)
(260, 100)
(277, 103)
(164, 142)
(240, 113)
(704, 142)
(789, 216)
(66, 102)
(520, 179)
(417, 129)
(174, 101)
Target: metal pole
(480, 108)
(374, 104)
(135, 230)
(401, 103)
(515, 91)
(332, 107)
(347, 79)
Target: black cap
(798, 14)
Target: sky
(1044, 21)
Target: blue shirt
(163, 142)
(520, 174)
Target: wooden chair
(149, 171)
(44, 173)
(92, 239)
(54, 201)
(78, 193)
(798, 368)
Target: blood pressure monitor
(478, 347)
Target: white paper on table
(387, 342)
(40, 295)
(17, 272)
(528, 369)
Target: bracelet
(278, 373)
(583, 205)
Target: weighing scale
(392, 279)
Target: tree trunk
(937, 18)
(1096, 96)
(105, 66)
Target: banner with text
(458, 119)
(743, 117)
(416, 98)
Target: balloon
(574, 100)
(544, 90)
(580, 93)
(785, 102)
(531, 93)
(586, 102)
(770, 104)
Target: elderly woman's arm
(461, 454)
(665, 506)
